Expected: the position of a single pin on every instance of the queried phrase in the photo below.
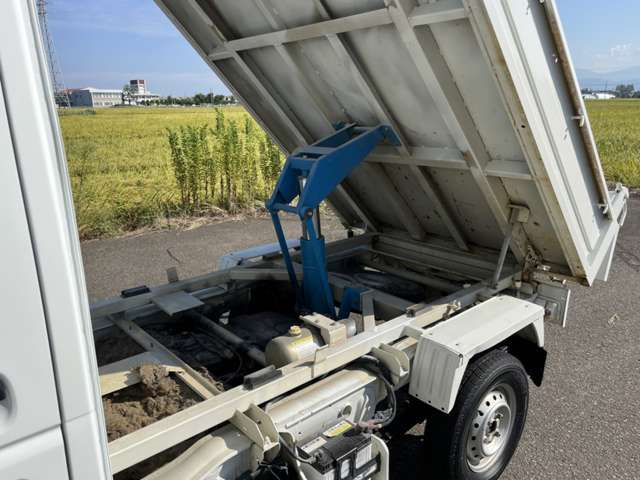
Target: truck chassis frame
(398, 335)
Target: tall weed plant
(230, 165)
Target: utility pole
(55, 75)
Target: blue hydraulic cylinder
(314, 295)
(309, 175)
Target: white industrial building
(140, 92)
(94, 97)
(598, 96)
(99, 97)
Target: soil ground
(157, 396)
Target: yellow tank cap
(295, 330)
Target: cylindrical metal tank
(299, 343)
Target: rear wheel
(476, 440)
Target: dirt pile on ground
(155, 397)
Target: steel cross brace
(310, 174)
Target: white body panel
(29, 405)
(52, 241)
(445, 350)
(36, 458)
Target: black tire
(450, 440)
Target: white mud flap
(445, 350)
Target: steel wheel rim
(491, 428)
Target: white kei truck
(450, 139)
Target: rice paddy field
(120, 164)
(616, 126)
(123, 169)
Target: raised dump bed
(481, 94)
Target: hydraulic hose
(374, 366)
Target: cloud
(622, 50)
(618, 57)
(123, 16)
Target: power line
(59, 90)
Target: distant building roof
(95, 90)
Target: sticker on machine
(338, 429)
(313, 445)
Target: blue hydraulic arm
(310, 174)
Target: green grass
(119, 164)
(616, 127)
(122, 175)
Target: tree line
(199, 99)
(129, 97)
(620, 91)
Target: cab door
(47, 359)
(31, 441)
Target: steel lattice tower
(59, 89)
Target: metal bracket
(258, 426)
(172, 275)
(452, 308)
(333, 333)
(554, 295)
(177, 302)
(319, 365)
(396, 361)
(581, 119)
(413, 332)
(519, 214)
(368, 320)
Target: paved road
(115, 264)
(584, 423)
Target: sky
(104, 43)
(603, 36)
